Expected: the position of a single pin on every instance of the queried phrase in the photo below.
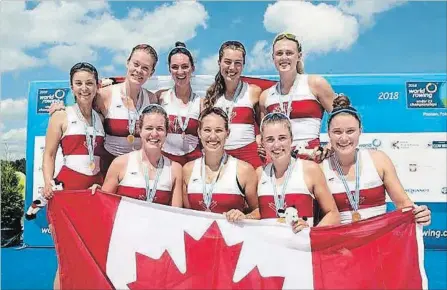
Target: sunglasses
(274, 116)
(288, 36)
(233, 43)
(81, 65)
(153, 107)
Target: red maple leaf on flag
(210, 264)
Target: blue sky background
(41, 40)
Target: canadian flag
(105, 241)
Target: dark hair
(218, 87)
(155, 109)
(180, 47)
(276, 117)
(342, 105)
(214, 110)
(83, 66)
(292, 37)
(149, 49)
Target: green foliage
(20, 165)
(12, 202)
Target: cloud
(65, 56)
(108, 69)
(13, 144)
(208, 65)
(260, 57)
(83, 29)
(14, 110)
(14, 59)
(338, 31)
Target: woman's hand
(261, 150)
(422, 215)
(321, 153)
(94, 187)
(56, 106)
(299, 225)
(48, 191)
(234, 215)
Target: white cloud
(260, 57)
(107, 69)
(338, 31)
(366, 10)
(14, 110)
(65, 56)
(64, 26)
(12, 59)
(15, 135)
(13, 144)
(209, 65)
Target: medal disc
(92, 166)
(130, 138)
(281, 220)
(356, 216)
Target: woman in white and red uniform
(239, 100)
(78, 130)
(183, 108)
(290, 182)
(146, 174)
(219, 182)
(359, 178)
(301, 97)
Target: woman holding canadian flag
(289, 182)
(219, 182)
(358, 178)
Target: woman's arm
(323, 91)
(187, 170)
(114, 175)
(177, 189)
(56, 128)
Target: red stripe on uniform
(76, 145)
(301, 109)
(302, 202)
(161, 196)
(117, 127)
(369, 197)
(243, 115)
(221, 202)
(193, 125)
(75, 180)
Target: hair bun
(180, 44)
(341, 102)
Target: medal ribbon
(150, 192)
(354, 199)
(208, 194)
(280, 198)
(89, 140)
(184, 125)
(235, 98)
(133, 116)
(289, 102)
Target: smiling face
(153, 131)
(277, 140)
(344, 132)
(286, 55)
(181, 69)
(140, 67)
(213, 133)
(231, 64)
(84, 87)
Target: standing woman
(359, 178)
(287, 182)
(301, 97)
(121, 104)
(183, 108)
(79, 132)
(145, 173)
(218, 182)
(239, 100)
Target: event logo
(417, 190)
(426, 95)
(46, 97)
(437, 145)
(376, 143)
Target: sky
(41, 40)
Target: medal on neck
(208, 192)
(133, 116)
(90, 140)
(281, 197)
(151, 191)
(282, 109)
(234, 99)
(354, 198)
(179, 120)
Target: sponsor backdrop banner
(403, 115)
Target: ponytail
(214, 91)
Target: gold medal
(130, 138)
(207, 210)
(281, 220)
(356, 216)
(92, 166)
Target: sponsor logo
(437, 145)
(46, 97)
(426, 95)
(413, 167)
(417, 190)
(376, 143)
(444, 190)
(401, 144)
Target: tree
(12, 202)
(20, 165)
